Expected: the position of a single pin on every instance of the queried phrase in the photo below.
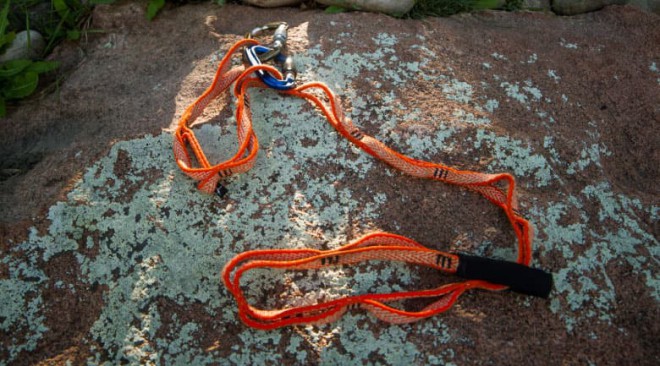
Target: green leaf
(485, 4)
(7, 38)
(3, 108)
(4, 22)
(43, 66)
(334, 9)
(14, 67)
(3, 18)
(61, 8)
(73, 35)
(21, 85)
(153, 8)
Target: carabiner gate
(279, 39)
(275, 51)
(285, 63)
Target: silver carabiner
(279, 38)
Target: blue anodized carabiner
(258, 54)
(288, 70)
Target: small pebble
(22, 48)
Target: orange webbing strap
(376, 246)
(497, 188)
(208, 175)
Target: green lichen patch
(589, 244)
(566, 44)
(22, 317)
(522, 94)
(553, 74)
(511, 155)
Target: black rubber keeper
(519, 278)
(221, 190)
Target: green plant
(5, 38)
(443, 8)
(513, 5)
(155, 6)
(72, 14)
(18, 78)
(334, 9)
(67, 19)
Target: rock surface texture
(110, 254)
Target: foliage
(56, 20)
(155, 6)
(5, 38)
(63, 19)
(70, 13)
(334, 9)
(512, 5)
(443, 8)
(19, 79)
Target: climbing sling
(479, 272)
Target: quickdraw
(481, 273)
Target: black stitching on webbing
(438, 259)
(225, 173)
(357, 134)
(443, 261)
(440, 173)
(330, 260)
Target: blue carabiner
(252, 55)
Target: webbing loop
(481, 273)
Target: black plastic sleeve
(519, 278)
